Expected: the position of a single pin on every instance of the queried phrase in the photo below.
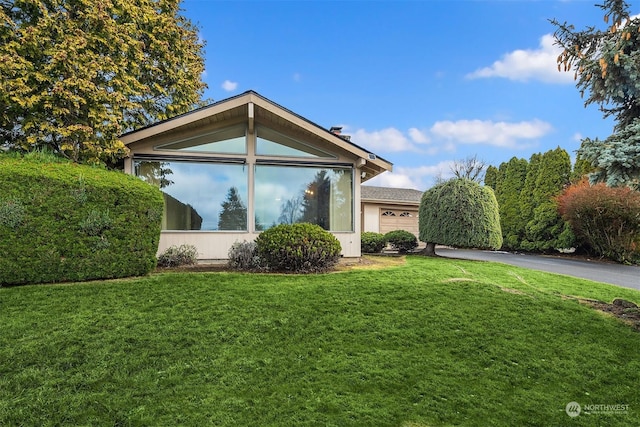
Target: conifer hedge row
(60, 221)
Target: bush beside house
(298, 248)
(61, 221)
(371, 242)
(401, 241)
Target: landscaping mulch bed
(624, 310)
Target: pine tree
(606, 63)
(233, 215)
(316, 201)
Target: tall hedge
(460, 213)
(545, 229)
(62, 221)
(512, 180)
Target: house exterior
(244, 164)
(386, 209)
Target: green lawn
(430, 343)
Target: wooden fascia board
(173, 124)
(324, 134)
(376, 166)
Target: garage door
(393, 219)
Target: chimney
(337, 130)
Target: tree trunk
(429, 250)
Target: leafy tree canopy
(606, 63)
(74, 75)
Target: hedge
(60, 221)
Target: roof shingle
(369, 192)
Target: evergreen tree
(527, 202)
(581, 169)
(546, 230)
(316, 201)
(233, 215)
(460, 213)
(491, 177)
(606, 63)
(75, 75)
(508, 195)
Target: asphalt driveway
(615, 274)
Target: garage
(398, 219)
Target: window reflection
(199, 196)
(230, 140)
(289, 194)
(272, 143)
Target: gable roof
(253, 108)
(390, 195)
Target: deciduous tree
(470, 168)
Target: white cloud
(577, 137)
(385, 140)
(499, 134)
(229, 86)
(418, 178)
(419, 136)
(297, 77)
(524, 65)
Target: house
(241, 165)
(386, 209)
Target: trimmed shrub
(460, 213)
(176, 256)
(244, 256)
(298, 248)
(607, 219)
(60, 221)
(401, 241)
(372, 243)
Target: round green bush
(460, 213)
(371, 242)
(298, 248)
(401, 240)
(60, 221)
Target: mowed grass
(433, 342)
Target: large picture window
(290, 194)
(272, 143)
(231, 140)
(199, 196)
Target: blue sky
(419, 83)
